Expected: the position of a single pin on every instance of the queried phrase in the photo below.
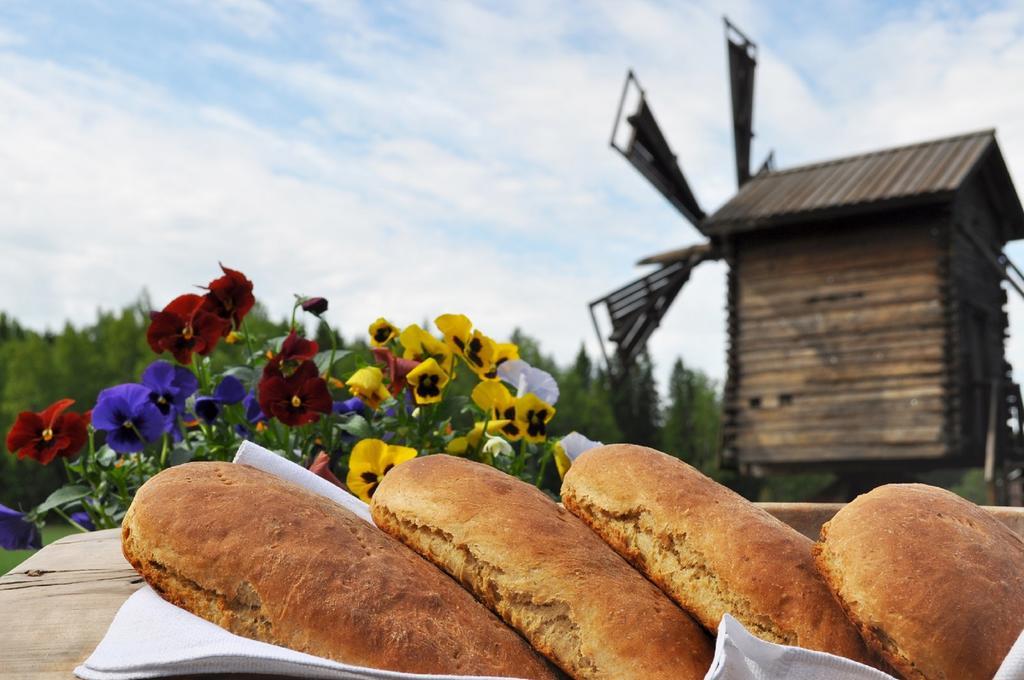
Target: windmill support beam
(636, 309)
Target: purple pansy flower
(228, 391)
(128, 416)
(353, 405)
(169, 386)
(17, 533)
(253, 413)
(82, 519)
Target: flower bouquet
(349, 415)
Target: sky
(410, 159)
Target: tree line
(37, 368)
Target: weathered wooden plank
(862, 436)
(857, 343)
(828, 262)
(832, 276)
(69, 592)
(892, 298)
(844, 321)
(882, 388)
(837, 373)
(818, 360)
(818, 453)
(754, 303)
(787, 419)
(773, 407)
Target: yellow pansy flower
(562, 461)
(569, 448)
(535, 414)
(503, 351)
(368, 384)
(372, 459)
(496, 400)
(460, 445)
(479, 354)
(420, 345)
(457, 330)
(427, 381)
(382, 332)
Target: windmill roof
(917, 174)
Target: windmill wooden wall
(866, 315)
(838, 343)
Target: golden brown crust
(708, 548)
(934, 583)
(269, 560)
(540, 569)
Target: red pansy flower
(183, 327)
(294, 350)
(230, 297)
(396, 369)
(321, 467)
(51, 433)
(297, 399)
(315, 305)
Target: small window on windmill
(785, 399)
(755, 402)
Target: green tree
(585, 402)
(636, 403)
(692, 417)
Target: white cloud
(253, 18)
(451, 156)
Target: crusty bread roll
(935, 584)
(268, 560)
(541, 570)
(708, 548)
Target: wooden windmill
(866, 319)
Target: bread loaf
(708, 548)
(935, 584)
(541, 569)
(268, 560)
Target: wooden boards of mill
(838, 342)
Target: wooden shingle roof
(928, 172)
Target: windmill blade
(648, 151)
(998, 259)
(637, 308)
(742, 63)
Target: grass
(9, 559)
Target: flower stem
(248, 344)
(138, 468)
(71, 521)
(543, 467)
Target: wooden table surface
(56, 606)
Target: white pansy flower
(527, 379)
(496, 446)
(571, 447)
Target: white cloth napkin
(150, 638)
(741, 656)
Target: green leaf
(357, 426)
(245, 374)
(179, 455)
(62, 496)
(106, 456)
(322, 359)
